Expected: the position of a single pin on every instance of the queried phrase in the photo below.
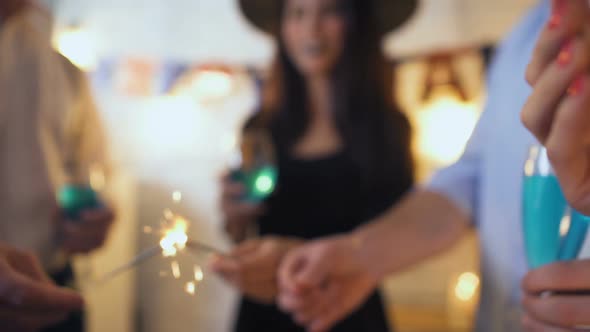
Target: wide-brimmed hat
(391, 14)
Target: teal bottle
(552, 230)
(544, 207)
(573, 241)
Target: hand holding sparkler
(252, 267)
(239, 214)
(88, 233)
(173, 241)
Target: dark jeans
(75, 322)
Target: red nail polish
(557, 13)
(576, 87)
(565, 55)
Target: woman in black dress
(343, 148)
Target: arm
(422, 225)
(87, 159)
(323, 281)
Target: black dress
(317, 198)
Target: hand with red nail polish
(558, 110)
(558, 10)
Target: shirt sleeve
(85, 132)
(460, 182)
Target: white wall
(448, 24)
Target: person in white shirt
(50, 133)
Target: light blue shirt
(486, 181)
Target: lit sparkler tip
(175, 237)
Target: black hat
(391, 13)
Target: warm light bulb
(208, 85)
(445, 124)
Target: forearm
(422, 225)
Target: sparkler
(173, 241)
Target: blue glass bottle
(552, 231)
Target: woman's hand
(558, 111)
(324, 281)
(87, 234)
(252, 267)
(239, 215)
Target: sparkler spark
(169, 215)
(177, 196)
(190, 288)
(174, 240)
(198, 273)
(175, 269)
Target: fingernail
(576, 87)
(565, 55)
(557, 14)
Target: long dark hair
(375, 133)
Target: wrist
(361, 251)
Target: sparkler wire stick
(155, 251)
(140, 258)
(198, 246)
